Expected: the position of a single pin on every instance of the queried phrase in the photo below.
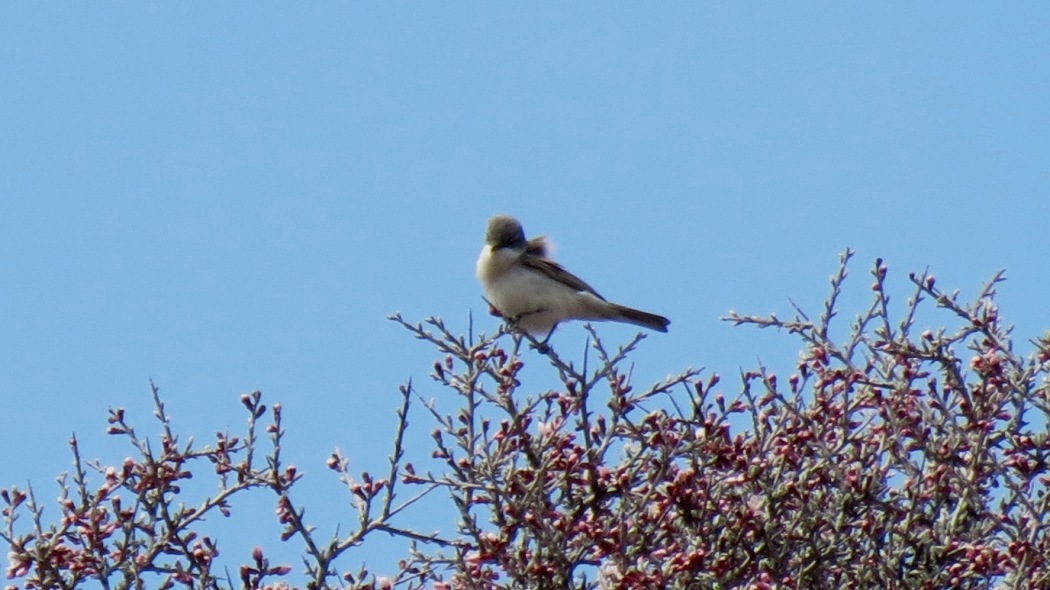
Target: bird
(534, 293)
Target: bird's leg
(515, 322)
(542, 347)
(512, 320)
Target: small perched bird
(534, 292)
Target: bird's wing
(554, 271)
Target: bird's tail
(641, 318)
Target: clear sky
(232, 196)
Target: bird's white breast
(537, 301)
(491, 264)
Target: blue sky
(233, 196)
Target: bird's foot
(541, 346)
(515, 320)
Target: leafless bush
(887, 459)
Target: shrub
(895, 457)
